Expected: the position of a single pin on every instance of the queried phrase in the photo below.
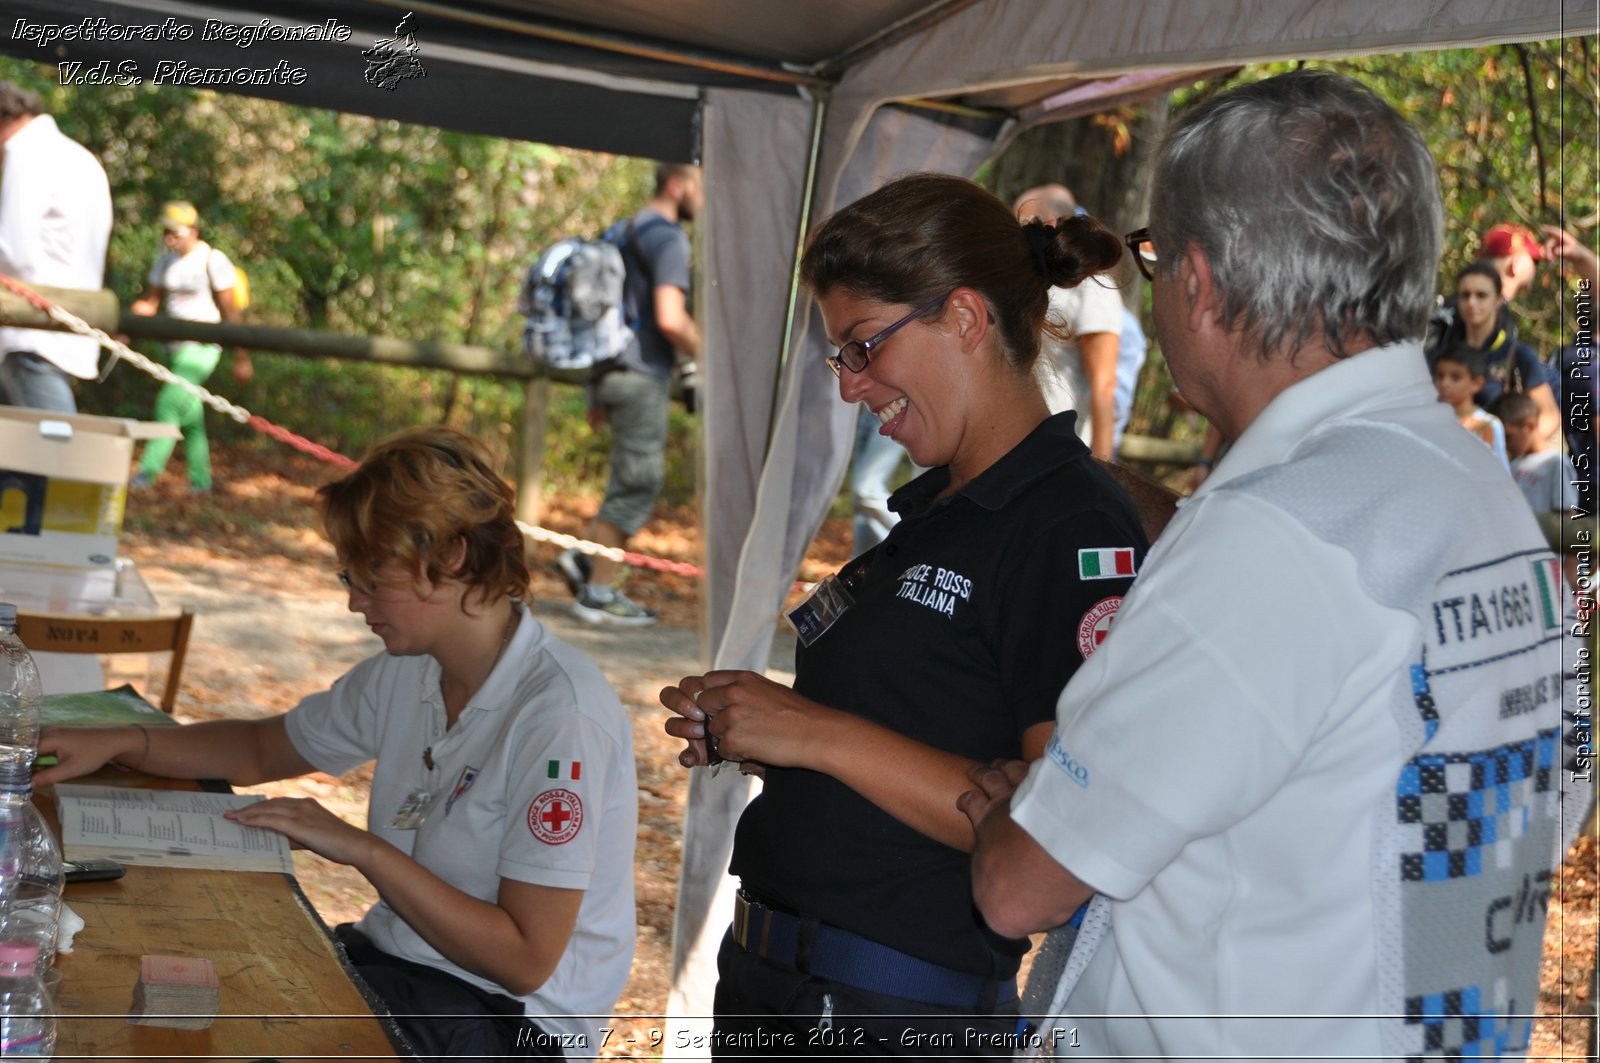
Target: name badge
(820, 610)
(413, 811)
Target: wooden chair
(60, 633)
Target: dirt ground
(273, 626)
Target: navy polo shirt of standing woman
(945, 646)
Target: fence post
(530, 458)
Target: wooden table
(283, 990)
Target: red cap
(1505, 239)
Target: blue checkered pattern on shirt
(1458, 1025)
(1458, 804)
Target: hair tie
(1039, 240)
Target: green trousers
(176, 405)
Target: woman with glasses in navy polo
(945, 645)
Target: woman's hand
(689, 724)
(82, 750)
(308, 826)
(744, 717)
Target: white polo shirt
(55, 223)
(1093, 306)
(535, 782)
(189, 281)
(1238, 767)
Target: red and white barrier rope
(122, 351)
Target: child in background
(1457, 376)
(1543, 472)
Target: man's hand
(995, 782)
(1569, 250)
(1018, 887)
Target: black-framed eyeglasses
(855, 355)
(1144, 252)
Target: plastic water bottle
(19, 706)
(27, 1020)
(30, 859)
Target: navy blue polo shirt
(967, 622)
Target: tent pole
(819, 112)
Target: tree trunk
(1105, 159)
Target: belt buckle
(741, 920)
(750, 915)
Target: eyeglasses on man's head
(1144, 252)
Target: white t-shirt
(190, 279)
(1231, 767)
(1547, 481)
(535, 782)
(1093, 306)
(55, 223)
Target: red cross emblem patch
(555, 816)
(1096, 624)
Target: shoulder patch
(1096, 624)
(1106, 562)
(555, 816)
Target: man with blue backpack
(630, 390)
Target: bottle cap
(8, 613)
(20, 955)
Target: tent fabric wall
(767, 503)
(746, 243)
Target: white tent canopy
(794, 108)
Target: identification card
(819, 610)
(413, 811)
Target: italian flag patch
(1547, 586)
(1106, 563)
(564, 769)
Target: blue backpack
(578, 320)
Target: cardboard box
(63, 484)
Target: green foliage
(356, 225)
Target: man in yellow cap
(196, 282)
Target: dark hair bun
(1075, 249)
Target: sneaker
(574, 569)
(617, 609)
(140, 482)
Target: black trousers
(445, 1017)
(763, 1010)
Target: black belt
(840, 956)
